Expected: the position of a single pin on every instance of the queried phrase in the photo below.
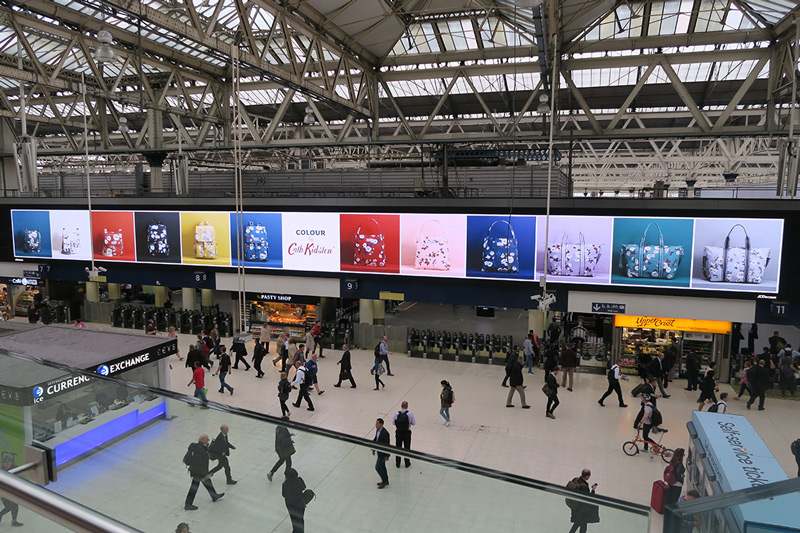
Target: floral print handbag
(70, 241)
(660, 261)
(256, 243)
(433, 250)
(32, 241)
(370, 249)
(735, 265)
(573, 259)
(112, 243)
(500, 249)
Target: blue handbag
(659, 261)
(256, 243)
(500, 249)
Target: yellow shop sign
(673, 324)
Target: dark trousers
(257, 365)
(303, 395)
(385, 359)
(742, 390)
(10, 507)
(240, 357)
(402, 439)
(380, 468)
(284, 407)
(578, 526)
(281, 460)
(646, 435)
(552, 402)
(222, 462)
(378, 381)
(505, 379)
(787, 383)
(691, 380)
(674, 493)
(318, 344)
(796, 459)
(296, 514)
(195, 484)
(346, 374)
(757, 393)
(612, 387)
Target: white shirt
(722, 407)
(300, 377)
(617, 374)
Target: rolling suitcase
(637, 390)
(659, 496)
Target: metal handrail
(58, 508)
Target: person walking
(219, 450)
(345, 368)
(674, 474)
(787, 369)
(551, 358)
(384, 352)
(527, 348)
(216, 338)
(223, 369)
(511, 356)
(446, 400)
(292, 491)
(670, 356)
(316, 332)
(759, 380)
(552, 398)
(613, 376)
(569, 359)
(744, 382)
(196, 459)
(171, 333)
(284, 389)
(692, 371)
(199, 382)
(381, 437)
(515, 381)
(8, 505)
(795, 447)
(303, 380)
(259, 352)
(708, 387)
(377, 370)
(656, 369)
(238, 348)
(281, 352)
(309, 341)
(402, 421)
(582, 514)
(284, 447)
(312, 366)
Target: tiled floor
(141, 480)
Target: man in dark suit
(759, 380)
(196, 459)
(345, 368)
(656, 369)
(219, 450)
(381, 437)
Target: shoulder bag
(735, 264)
(655, 261)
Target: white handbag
(433, 250)
(70, 241)
(735, 265)
(573, 259)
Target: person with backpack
(223, 370)
(240, 350)
(795, 447)
(377, 369)
(292, 491)
(613, 376)
(582, 514)
(345, 368)
(284, 447)
(787, 369)
(302, 379)
(383, 350)
(651, 417)
(284, 389)
(196, 459)
(209, 342)
(720, 407)
(447, 398)
(219, 450)
(708, 387)
(403, 420)
(674, 474)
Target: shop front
(271, 314)
(637, 339)
(73, 413)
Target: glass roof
(771, 10)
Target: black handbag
(308, 495)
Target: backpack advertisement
(113, 235)
(71, 235)
(31, 233)
(262, 239)
(158, 236)
(206, 238)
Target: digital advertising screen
(713, 254)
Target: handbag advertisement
(713, 254)
(579, 250)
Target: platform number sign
(201, 278)
(351, 285)
(779, 309)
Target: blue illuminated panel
(110, 430)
